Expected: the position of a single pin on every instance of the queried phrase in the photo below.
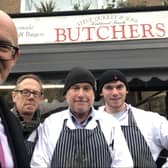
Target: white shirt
(51, 129)
(5, 146)
(153, 127)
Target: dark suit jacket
(14, 136)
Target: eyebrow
(5, 42)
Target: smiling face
(114, 94)
(8, 34)
(80, 98)
(26, 104)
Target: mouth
(30, 103)
(27, 114)
(81, 102)
(30, 106)
(112, 98)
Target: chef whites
(145, 131)
(60, 126)
(80, 136)
(137, 144)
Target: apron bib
(137, 145)
(81, 148)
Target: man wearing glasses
(26, 97)
(12, 148)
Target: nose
(114, 91)
(31, 95)
(81, 92)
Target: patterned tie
(2, 158)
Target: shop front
(138, 48)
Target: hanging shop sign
(92, 28)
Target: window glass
(61, 5)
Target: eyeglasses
(7, 51)
(27, 93)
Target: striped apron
(81, 148)
(138, 147)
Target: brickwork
(10, 6)
(147, 2)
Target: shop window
(60, 5)
(31, 5)
(153, 101)
(53, 97)
(156, 101)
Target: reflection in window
(66, 5)
(62, 5)
(111, 3)
(29, 5)
(85, 4)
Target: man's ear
(15, 59)
(13, 95)
(42, 97)
(17, 55)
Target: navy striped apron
(81, 148)
(138, 147)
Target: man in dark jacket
(11, 138)
(26, 96)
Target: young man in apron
(146, 132)
(80, 136)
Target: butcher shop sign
(92, 27)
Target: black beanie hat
(78, 75)
(109, 76)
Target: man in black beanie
(80, 136)
(146, 132)
(79, 75)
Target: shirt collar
(120, 113)
(84, 123)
